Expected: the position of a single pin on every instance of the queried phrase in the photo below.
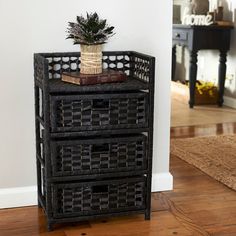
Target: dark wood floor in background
(203, 130)
(199, 205)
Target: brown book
(107, 76)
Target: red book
(107, 76)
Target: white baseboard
(230, 102)
(18, 197)
(162, 182)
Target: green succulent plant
(90, 30)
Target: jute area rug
(214, 155)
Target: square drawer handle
(177, 35)
(100, 104)
(98, 148)
(100, 189)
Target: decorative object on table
(200, 7)
(188, 8)
(176, 14)
(219, 13)
(205, 93)
(195, 13)
(91, 33)
(196, 7)
(107, 76)
(197, 20)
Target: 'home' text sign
(197, 20)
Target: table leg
(221, 77)
(173, 63)
(192, 77)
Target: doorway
(204, 112)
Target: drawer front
(99, 155)
(96, 112)
(180, 35)
(90, 198)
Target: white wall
(30, 26)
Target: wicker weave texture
(99, 197)
(71, 63)
(98, 112)
(141, 69)
(94, 143)
(133, 64)
(42, 190)
(91, 156)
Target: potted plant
(91, 33)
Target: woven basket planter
(91, 59)
(206, 97)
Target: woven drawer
(91, 198)
(98, 111)
(99, 155)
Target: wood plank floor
(198, 205)
(181, 115)
(203, 130)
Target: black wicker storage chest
(94, 143)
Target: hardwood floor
(198, 205)
(203, 130)
(201, 203)
(181, 115)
